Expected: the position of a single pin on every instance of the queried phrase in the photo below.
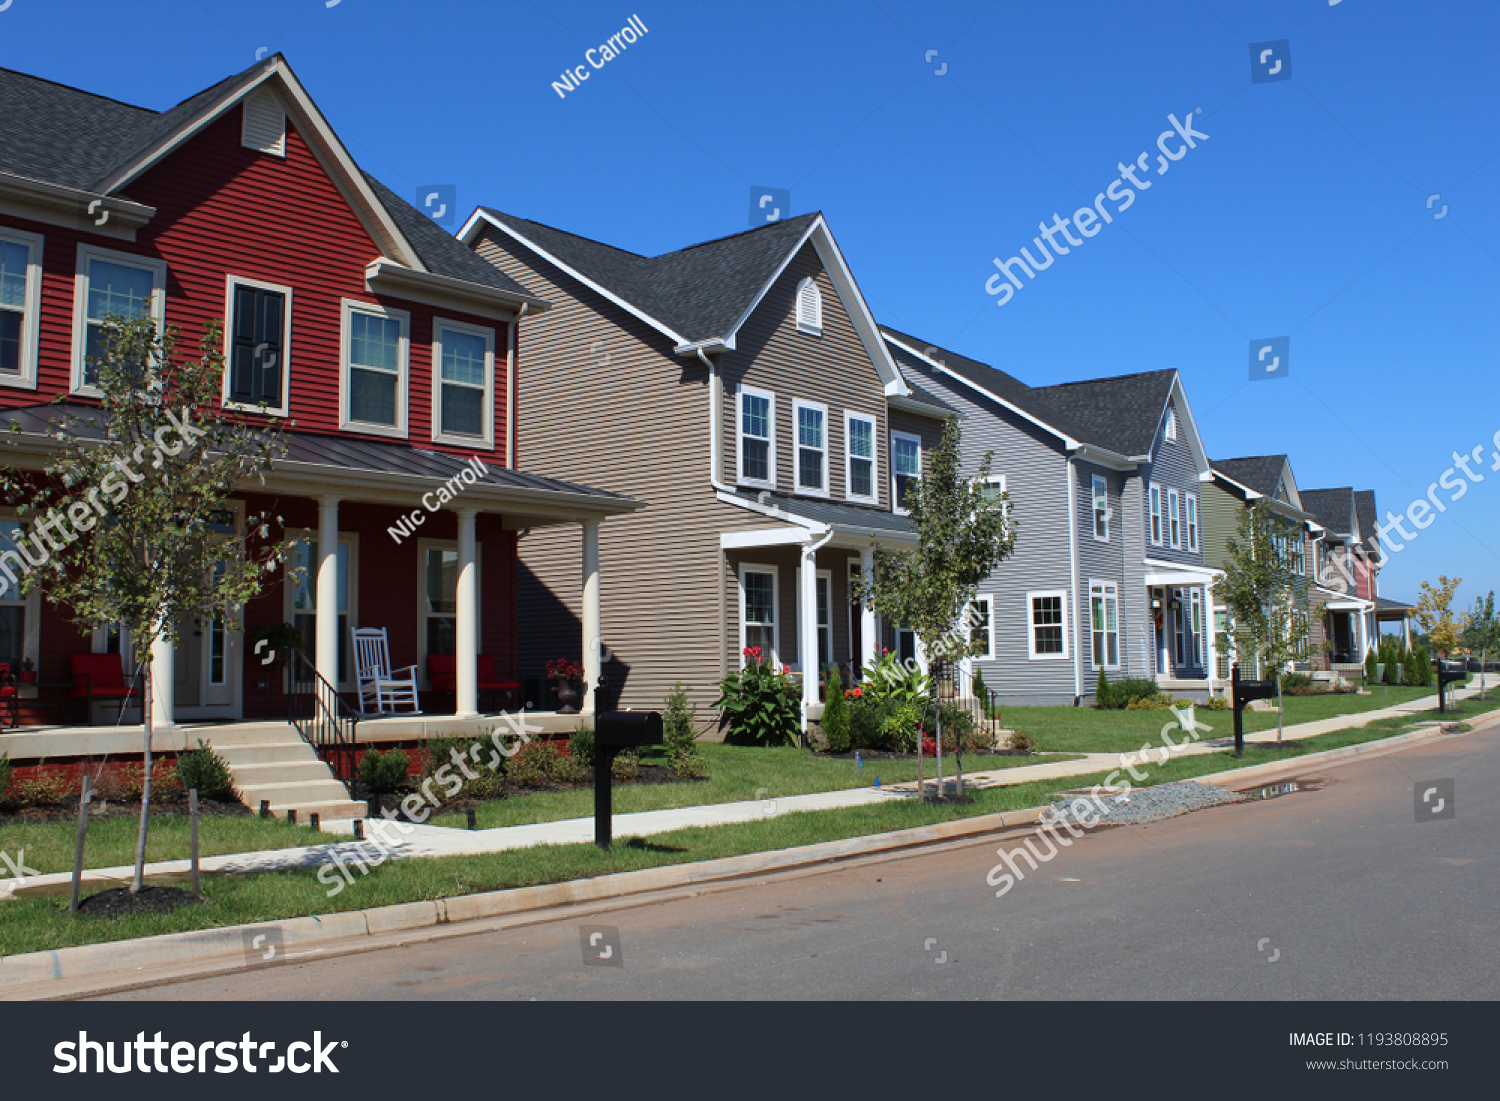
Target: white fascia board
(55, 205)
(1111, 460)
(1068, 441)
(762, 537)
(481, 216)
(808, 526)
(1215, 474)
(921, 408)
(324, 143)
(385, 276)
(1195, 441)
(710, 346)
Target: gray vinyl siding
(832, 369)
(1134, 600)
(1036, 474)
(1172, 467)
(1103, 562)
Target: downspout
(1073, 557)
(510, 387)
(715, 445)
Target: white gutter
(715, 447)
(1073, 557)
(510, 385)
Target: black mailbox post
(1448, 673)
(1243, 692)
(614, 731)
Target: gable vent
(809, 308)
(263, 125)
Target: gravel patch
(1149, 804)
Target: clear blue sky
(1304, 215)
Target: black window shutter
(255, 346)
(242, 347)
(268, 338)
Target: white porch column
(807, 628)
(466, 621)
(326, 621)
(163, 684)
(868, 642)
(1210, 623)
(592, 665)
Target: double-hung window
(20, 307)
(1192, 521)
(758, 611)
(1156, 515)
(463, 383)
(1101, 508)
(812, 447)
(258, 332)
(1174, 519)
(982, 627)
(376, 349)
(110, 284)
(302, 598)
(757, 438)
(906, 467)
(1104, 599)
(859, 474)
(437, 602)
(18, 611)
(1047, 632)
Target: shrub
(1102, 696)
(958, 721)
(759, 705)
(44, 788)
(1156, 702)
(384, 772)
(1370, 659)
(1296, 680)
(980, 689)
(1020, 742)
(626, 768)
(567, 768)
(581, 745)
(1420, 667)
(683, 755)
(835, 721)
(130, 781)
(206, 771)
(1217, 703)
(1128, 689)
(5, 771)
(899, 727)
(534, 765)
(888, 678)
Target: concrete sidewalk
(406, 840)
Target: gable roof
(1333, 508)
(1368, 517)
(63, 136)
(1121, 413)
(1261, 473)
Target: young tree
(963, 534)
(1481, 633)
(1266, 593)
(1435, 614)
(145, 479)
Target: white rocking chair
(387, 689)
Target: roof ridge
(1106, 378)
(732, 236)
(86, 92)
(566, 233)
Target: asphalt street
(1349, 888)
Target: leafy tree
(1266, 594)
(963, 534)
(146, 480)
(1481, 633)
(1435, 614)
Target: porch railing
(955, 686)
(324, 720)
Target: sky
(1338, 202)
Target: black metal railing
(324, 720)
(955, 687)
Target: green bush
(898, 730)
(1020, 742)
(684, 757)
(980, 689)
(1296, 680)
(888, 678)
(569, 768)
(626, 768)
(835, 720)
(384, 772)
(759, 705)
(1123, 692)
(1421, 667)
(5, 771)
(534, 765)
(1370, 660)
(1217, 703)
(958, 721)
(1102, 693)
(581, 743)
(206, 771)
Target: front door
(207, 659)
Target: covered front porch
(1183, 626)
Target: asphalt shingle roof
(1261, 473)
(1120, 413)
(61, 135)
(699, 292)
(1330, 507)
(1369, 518)
(869, 519)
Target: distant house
(741, 389)
(1105, 478)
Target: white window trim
(988, 654)
(897, 435)
(230, 281)
(1193, 520)
(1169, 430)
(31, 326)
(1174, 513)
(87, 253)
(797, 405)
(423, 546)
(487, 437)
(1031, 625)
(1155, 527)
(1108, 590)
(32, 602)
(815, 327)
(756, 567)
(289, 591)
(825, 575)
(740, 393)
(1099, 482)
(874, 496)
(350, 307)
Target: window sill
(480, 443)
(803, 491)
(747, 483)
(374, 429)
(19, 382)
(266, 411)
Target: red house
(389, 346)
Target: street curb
(117, 965)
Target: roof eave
(386, 276)
(74, 207)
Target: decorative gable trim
(263, 122)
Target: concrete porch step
(327, 812)
(279, 768)
(237, 756)
(280, 772)
(293, 793)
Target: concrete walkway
(393, 840)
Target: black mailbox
(1448, 673)
(1242, 692)
(628, 729)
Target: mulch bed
(172, 805)
(119, 902)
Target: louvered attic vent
(263, 126)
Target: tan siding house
(740, 389)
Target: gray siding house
(1104, 479)
(741, 389)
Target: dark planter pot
(567, 695)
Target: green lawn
(735, 773)
(34, 924)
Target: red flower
(858, 692)
(786, 668)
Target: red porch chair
(442, 672)
(98, 677)
(8, 696)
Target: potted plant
(565, 673)
(27, 674)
